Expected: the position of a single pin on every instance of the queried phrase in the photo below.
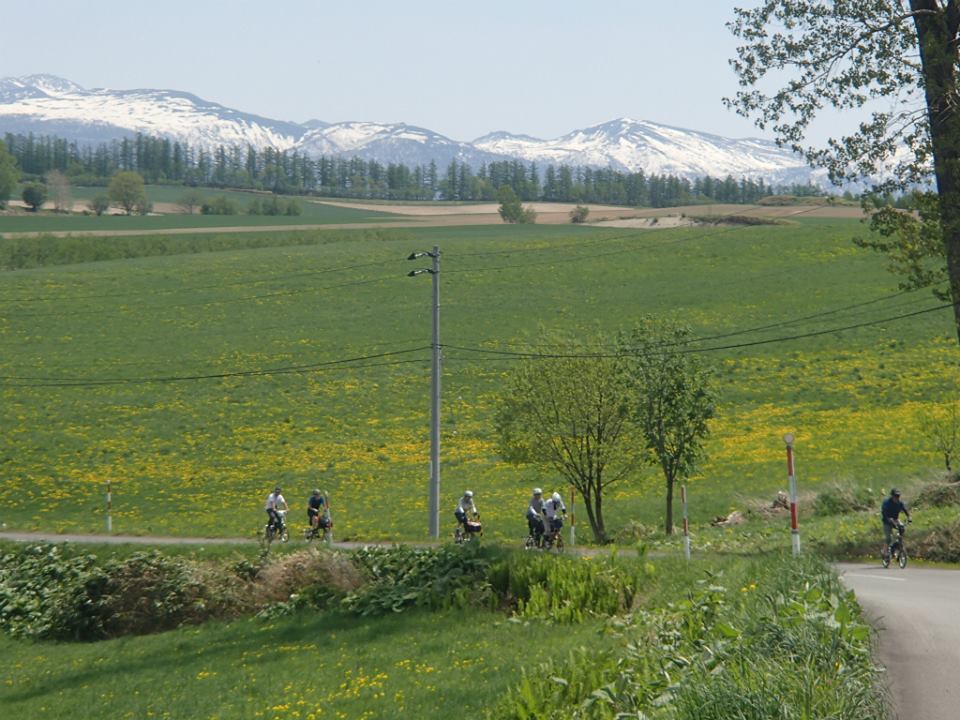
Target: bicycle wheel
(284, 535)
(530, 543)
(558, 544)
(902, 557)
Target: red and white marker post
(686, 522)
(792, 478)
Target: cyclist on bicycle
(464, 507)
(552, 509)
(535, 516)
(316, 506)
(890, 514)
(275, 501)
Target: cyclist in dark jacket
(890, 514)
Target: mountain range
(50, 105)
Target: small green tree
(942, 426)
(34, 195)
(8, 174)
(58, 186)
(511, 211)
(99, 204)
(126, 190)
(571, 412)
(675, 401)
(190, 200)
(219, 205)
(579, 214)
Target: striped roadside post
(573, 517)
(686, 522)
(792, 478)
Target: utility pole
(434, 493)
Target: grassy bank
(719, 639)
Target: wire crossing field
(194, 383)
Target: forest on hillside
(162, 161)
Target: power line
(284, 370)
(813, 333)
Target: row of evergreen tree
(161, 160)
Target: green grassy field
(422, 665)
(312, 213)
(194, 383)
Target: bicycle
(470, 530)
(553, 540)
(896, 551)
(273, 532)
(323, 530)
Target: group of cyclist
(544, 516)
(318, 516)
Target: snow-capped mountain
(632, 145)
(49, 105)
(398, 143)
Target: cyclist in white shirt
(464, 508)
(552, 509)
(275, 501)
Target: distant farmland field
(170, 215)
(194, 383)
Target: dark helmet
(277, 490)
(894, 492)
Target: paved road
(916, 611)
(168, 540)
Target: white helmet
(537, 491)
(468, 494)
(556, 497)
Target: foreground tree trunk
(937, 39)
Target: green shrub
(401, 577)
(150, 592)
(566, 589)
(940, 545)
(45, 595)
(220, 205)
(938, 495)
(843, 498)
(782, 640)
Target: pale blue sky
(540, 67)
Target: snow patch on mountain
(631, 145)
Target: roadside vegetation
(498, 634)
